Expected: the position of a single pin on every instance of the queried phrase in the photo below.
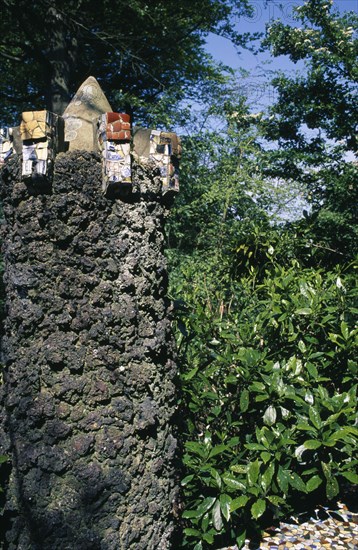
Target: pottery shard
(82, 113)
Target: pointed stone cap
(81, 114)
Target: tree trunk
(61, 59)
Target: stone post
(89, 390)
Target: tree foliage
(265, 310)
(314, 122)
(324, 97)
(140, 51)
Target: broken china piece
(114, 136)
(6, 144)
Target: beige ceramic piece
(42, 151)
(82, 113)
(33, 125)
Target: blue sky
(259, 65)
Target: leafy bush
(269, 395)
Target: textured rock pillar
(89, 374)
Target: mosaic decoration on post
(114, 140)
(165, 151)
(41, 134)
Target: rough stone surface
(89, 390)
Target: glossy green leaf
(257, 387)
(344, 330)
(205, 505)
(312, 370)
(244, 400)
(238, 502)
(218, 449)
(296, 482)
(265, 456)
(192, 532)
(299, 451)
(276, 500)
(187, 480)
(191, 514)
(225, 502)
(239, 468)
(255, 447)
(188, 376)
(258, 508)
(205, 520)
(305, 427)
(332, 487)
(312, 444)
(233, 482)
(315, 417)
(283, 480)
(351, 476)
(233, 442)
(270, 416)
(254, 490)
(302, 346)
(216, 516)
(231, 379)
(267, 476)
(303, 311)
(196, 448)
(253, 472)
(240, 540)
(208, 537)
(313, 483)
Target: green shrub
(268, 377)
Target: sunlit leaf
(253, 472)
(187, 480)
(313, 483)
(232, 482)
(312, 444)
(296, 482)
(244, 400)
(258, 508)
(351, 476)
(270, 416)
(240, 540)
(216, 516)
(218, 449)
(225, 502)
(238, 502)
(315, 417)
(267, 476)
(304, 311)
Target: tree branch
(11, 57)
